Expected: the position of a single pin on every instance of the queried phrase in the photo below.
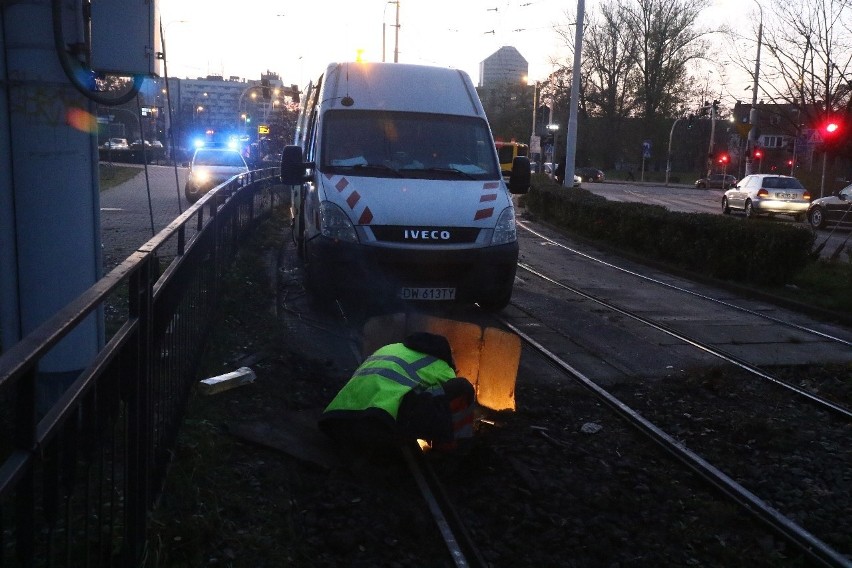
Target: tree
(636, 58)
(508, 107)
(807, 61)
(668, 41)
(610, 51)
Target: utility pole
(713, 109)
(535, 141)
(752, 113)
(396, 37)
(571, 141)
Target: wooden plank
(296, 434)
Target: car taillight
(806, 195)
(762, 193)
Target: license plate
(427, 293)
(785, 195)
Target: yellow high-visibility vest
(387, 375)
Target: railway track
(464, 549)
(710, 472)
(809, 546)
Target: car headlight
(201, 176)
(334, 223)
(505, 231)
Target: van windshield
(405, 144)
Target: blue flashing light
(198, 143)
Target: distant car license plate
(427, 293)
(784, 195)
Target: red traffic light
(758, 153)
(831, 129)
(723, 159)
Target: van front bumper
(484, 274)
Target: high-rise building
(506, 65)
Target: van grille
(425, 235)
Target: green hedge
(756, 251)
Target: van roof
(401, 86)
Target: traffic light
(832, 127)
(690, 121)
(831, 132)
(758, 153)
(723, 159)
(264, 88)
(716, 107)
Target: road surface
(687, 199)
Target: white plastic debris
(238, 378)
(591, 428)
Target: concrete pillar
(49, 204)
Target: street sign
(263, 129)
(646, 149)
(535, 144)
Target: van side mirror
(293, 167)
(519, 180)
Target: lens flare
(81, 120)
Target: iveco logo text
(426, 235)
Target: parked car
(833, 210)
(716, 181)
(211, 167)
(765, 194)
(117, 144)
(556, 173)
(590, 174)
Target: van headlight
(334, 223)
(504, 231)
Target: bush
(754, 252)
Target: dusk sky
(298, 39)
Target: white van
(398, 190)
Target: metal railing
(79, 474)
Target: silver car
(211, 167)
(765, 194)
(832, 210)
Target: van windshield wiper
(454, 171)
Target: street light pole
(669, 159)
(752, 113)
